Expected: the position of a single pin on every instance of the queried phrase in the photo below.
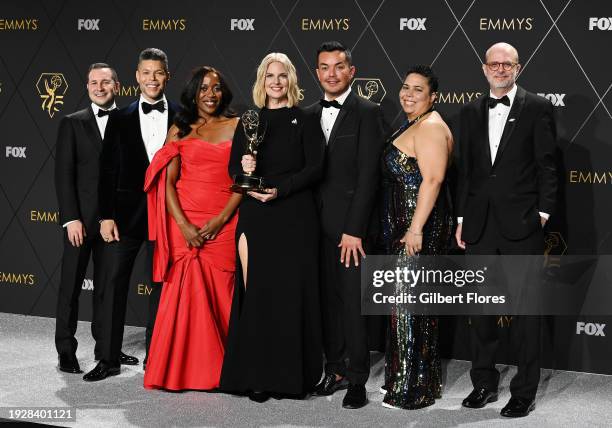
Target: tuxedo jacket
(347, 193)
(123, 164)
(77, 155)
(522, 179)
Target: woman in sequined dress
(416, 219)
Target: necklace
(416, 119)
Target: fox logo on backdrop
(15, 152)
(369, 88)
(600, 24)
(555, 99)
(590, 328)
(244, 24)
(413, 24)
(88, 24)
(51, 87)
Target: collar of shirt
(143, 100)
(342, 98)
(510, 95)
(96, 108)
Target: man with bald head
(506, 193)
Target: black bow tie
(333, 103)
(102, 113)
(492, 102)
(147, 108)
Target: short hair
(153, 54)
(294, 96)
(188, 113)
(427, 72)
(334, 45)
(98, 65)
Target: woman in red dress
(195, 254)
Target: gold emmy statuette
(247, 182)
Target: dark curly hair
(427, 72)
(188, 113)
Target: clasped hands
(196, 237)
(249, 163)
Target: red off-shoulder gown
(190, 331)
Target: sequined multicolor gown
(412, 363)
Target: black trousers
(526, 329)
(345, 330)
(119, 258)
(74, 267)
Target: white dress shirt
(329, 114)
(101, 121)
(153, 127)
(498, 116)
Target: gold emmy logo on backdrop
(554, 248)
(178, 24)
(52, 87)
(504, 321)
(327, 24)
(44, 216)
(129, 91)
(503, 24)
(457, 97)
(143, 290)
(17, 278)
(19, 24)
(590, 177)
(370, 88)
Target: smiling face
(334, 73)
(501, 54)
(152, 76)
(416, 96)
(210, 95)
(101, 87)
(276, 82)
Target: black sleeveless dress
(274, 339)
(412, 362)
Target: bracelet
(414, 233)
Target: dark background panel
(563, 58)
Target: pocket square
(294, 121)
(511, 119)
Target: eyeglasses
(507, 66)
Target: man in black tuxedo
(134, 135)
(78, 147)
(353, 128)
(506, 193)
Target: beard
(506, 83)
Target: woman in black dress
(274, 339)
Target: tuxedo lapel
(348, 105)
(137, 130)
(91, 129)
(484, 115)
(513, 117)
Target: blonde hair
(294, 94)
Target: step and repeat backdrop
(47, 46)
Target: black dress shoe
(518, 408)
(479, 398)
(329, 385)
(68, 363)
(127, 360)
(355, 397)
(101, 371)
(259, 396)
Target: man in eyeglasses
(506, 193)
